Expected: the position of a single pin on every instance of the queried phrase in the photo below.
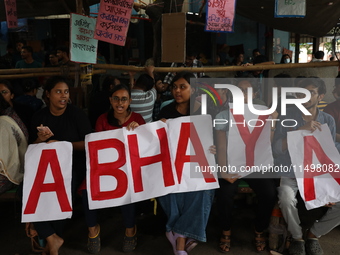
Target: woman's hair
(284, 57)
(3, 104)
(186, 76)
(110, 115)
(53, 81)
(8, 85)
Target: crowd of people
(154, 97)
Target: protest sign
(47, 182)
(11, 13)
(251, 135)
(113, 21)
(128, 166)
(83, 48)
(190, 139)
(316, 164)
(220, 16)
(290, 8)
(153, 160)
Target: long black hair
(3, 104)
(110, 115)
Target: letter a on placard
(48, 158)
(189, 132)
(311, 144)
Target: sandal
(190, 244)
(93, 243)
(130, 242)
(35, 241)
(260, 241)
(225, 244)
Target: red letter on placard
(137, 162)
(110, 168)
(248, 138)
(188, 131)
(311, 144)
(48, 157)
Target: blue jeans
(188, 212)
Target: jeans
(188, 212)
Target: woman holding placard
(60, 121)
(120, 115)
(187, 212)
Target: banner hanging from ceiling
(220, 16)
(290, 8)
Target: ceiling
(321, 15)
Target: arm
(221, 148)
(169, 77)
(79, 146)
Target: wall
(281, 40)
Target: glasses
(117, 99)
(4, 92)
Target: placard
(113, 21)
(83, 48)
(11, 13)
(220, 16)
(290, 8)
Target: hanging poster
(220, 16)
(113, 21)
(11, 13)
(83, 47)
(290, 8)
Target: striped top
(321, 105)
(143, 102)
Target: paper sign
(316, 163)
(251, 135)
(47, 182)
(83, 47)
(11, 13)
(190, 139)
(113, 21)
(153, 160)
(290, 8)
(220, 16)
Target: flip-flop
(189, 244)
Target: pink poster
(220, 16)
(113, 21)
(11, 13)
